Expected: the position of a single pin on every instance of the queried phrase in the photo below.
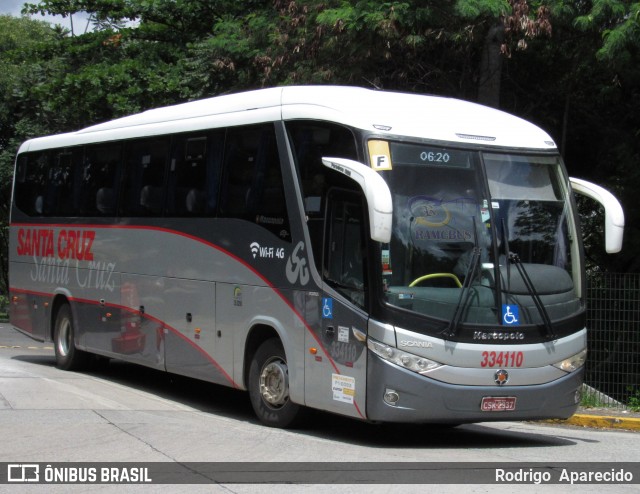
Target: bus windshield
(474, 232)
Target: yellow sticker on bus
(380, 155)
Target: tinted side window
(252, 179)
(344, 259)
(194, 174)
(31, 180)
(98, 175)
(69, 182)
(63, 183)
(146, 162)
(311, 141)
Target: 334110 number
(502, 359)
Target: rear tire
(269, 386)
(68, 357)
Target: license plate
(498, 404)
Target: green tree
(618, 23)
(409, 45)
(20, 40)
(603, 115)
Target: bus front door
(336, 381)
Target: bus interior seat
(195, 201)
(39, 205)
(151, 198)
(105, 200)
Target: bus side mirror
(375, 190)
(613, 214)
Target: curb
(602, 421)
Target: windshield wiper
(513, 258)
(465, 294)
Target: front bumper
(425, 400)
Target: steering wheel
(436, 275)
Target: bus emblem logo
(297, 269)
(501, 377)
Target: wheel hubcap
(274, 383)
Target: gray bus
(386, 256)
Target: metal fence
(613, 330)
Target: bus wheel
(269, 386)
(68, 357)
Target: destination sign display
(412, 154)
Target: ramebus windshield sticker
(435, 219)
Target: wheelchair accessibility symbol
(327, 308)
(510, 315)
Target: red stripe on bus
(173, 330)
(208, 244)
(146, 316)
(225, 252)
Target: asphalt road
(127, 413)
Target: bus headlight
(572, 363)
(406, 360)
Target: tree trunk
(491, 68)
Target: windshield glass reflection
(449, 226)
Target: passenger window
(252, 179)
(194, 174)
(31, 180)
(98, 175)
(59, 199)
(146, 162)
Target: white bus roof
(383, 112)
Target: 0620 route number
(502, 359)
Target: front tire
(68, 357)
(269, 386)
